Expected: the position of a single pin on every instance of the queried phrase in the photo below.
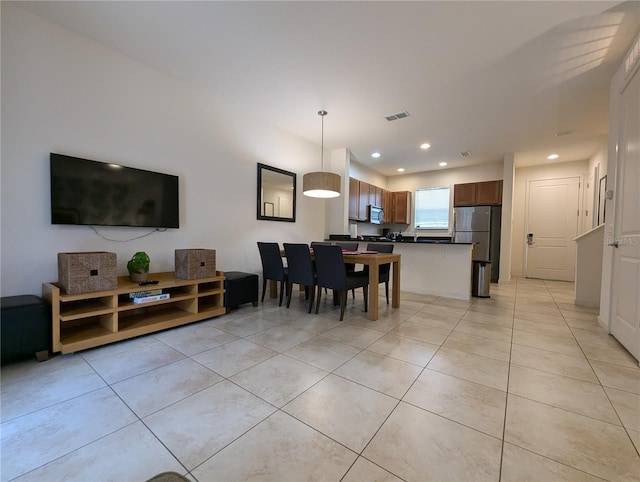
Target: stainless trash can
(481, 282)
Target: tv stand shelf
(87, 320)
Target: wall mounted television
(93, 193)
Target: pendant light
(321, 184)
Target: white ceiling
(487, 77)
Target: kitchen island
(439, 269)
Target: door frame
(579, 218)
(607, 308)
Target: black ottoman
(240, 288)
(25, 328)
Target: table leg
(374, 274)
(395, 289)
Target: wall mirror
(276, 194)
(602, 200)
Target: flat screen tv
(101, 194)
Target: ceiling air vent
(465, 153)
(400, 115)
(564, 133)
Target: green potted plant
(138, 266)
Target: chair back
(272, 267)
(348, 246)
(316, 243)
(380, 248)
(330, 267)
(384, 268)
(300, 264)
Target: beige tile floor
(522, 386)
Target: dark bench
(25, 328)
(240, 288)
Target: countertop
(404, 240)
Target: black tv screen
(102, 194)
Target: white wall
(64, 93)
(523, 176)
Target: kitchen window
(432, 208)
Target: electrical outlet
(444, 254)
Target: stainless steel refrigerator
(480, 225)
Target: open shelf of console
(87, 320)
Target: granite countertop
(407, 240)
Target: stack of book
(147, 296)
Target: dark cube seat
(240, 288)
(25, 328)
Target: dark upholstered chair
(301, 270)
(326, 243)
(332, 274)
(272, 267)
(383, 274)
(350, 266)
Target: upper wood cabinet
(363, 201)
(464, 194)
(386, 204)
(375, 195)
(396, 205)
(359, 193)
(354, 198)
(400, 208)
(488, 193)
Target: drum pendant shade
(321, 184)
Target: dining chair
(332, 274)
(384, 270)
(301, 270)
(350, 266)
(315, 243)
(272, 267)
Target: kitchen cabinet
(487, 193)
(359, 194)
(400, 212)
(362, 194)
(354, 197)
(375, 195)
(363, 201)
(386, 205)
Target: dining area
(336, 270)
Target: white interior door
(625, 283)
(552, 224)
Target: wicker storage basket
(195, 263)
(86, 272)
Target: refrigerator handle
(454, 223)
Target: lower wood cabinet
(88, 320)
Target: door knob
(614, 244)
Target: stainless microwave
(376, 215)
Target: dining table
(374, 260)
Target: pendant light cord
(322, 113)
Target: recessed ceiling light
(442, 164)
(375, 155)
(425, 146)
(553, 156)
(401, 169)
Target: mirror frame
(260, 203)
